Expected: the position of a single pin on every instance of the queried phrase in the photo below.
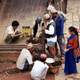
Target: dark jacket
(59, 25)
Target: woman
(73, 42)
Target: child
(40, 68)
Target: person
(36, 26)
(12, 32)
(49, 8)
(59, 20)
(50, 34)
(73, 43)
(61, 13)
(25, 59)
(40, 68)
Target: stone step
(9, 48)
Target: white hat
(46, 16)
(53, 10)
(50, 60)
(50, 7)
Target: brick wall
(73, 14)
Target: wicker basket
(54, 70)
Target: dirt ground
(8, 69)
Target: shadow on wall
(25, 11)
(21, 9)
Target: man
(36, 26)
(51, 7)
(12, 32)
(59, 20)
(25, 59)
(50, 34)
(40, 68)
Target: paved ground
(20, 76)
(8, 71)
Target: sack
(77, 52)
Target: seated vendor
(25, 59)
(12, 32)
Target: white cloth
(24, 55)
(50, 60)
(78, 67)
(51, 32)
(39, 70)
(50, 7)
(10, 30)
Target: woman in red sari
(73, 43)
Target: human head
(73, 30)
(15, 24)
(30, 47)
(47, 17)
(43, 57)
(50, 6)
(54, 12)
(38, 20)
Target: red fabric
(73, 42)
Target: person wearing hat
(25, 59)
(50, 34)
(40, 68)
(52, 9)
(12, 33)
(59, 20)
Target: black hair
(15, 23)
(38, 20)
(42, 59)
(73, 29)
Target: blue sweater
(59, 25)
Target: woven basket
(54, 70)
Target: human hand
(66, 50)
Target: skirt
(70, 63)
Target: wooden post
(65, 6)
